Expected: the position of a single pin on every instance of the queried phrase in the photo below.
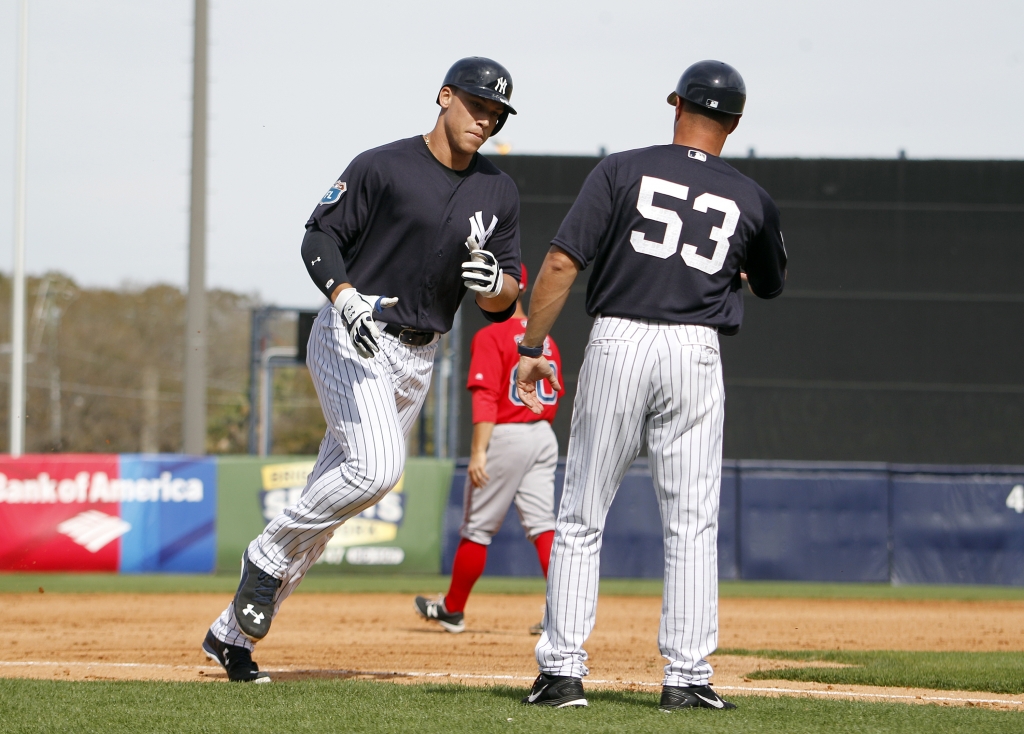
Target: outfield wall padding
(810, 521)
(958, 528)
(632, 544)
(823, 524)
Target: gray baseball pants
(521, 461)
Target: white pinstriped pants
(642, 380)
(370, 407)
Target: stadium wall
(811, 521)
(803, 521)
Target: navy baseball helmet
(712, 84)
(483, 78)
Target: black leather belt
(411, 337)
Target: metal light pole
(194, 419)
(17, 402)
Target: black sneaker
(433, 610)
(559, 691)
(237, 661)
(674, 698)
(254, 600)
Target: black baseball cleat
(674, 698)
(559, 691)
(254, 600)
(433, 610)
(236, 660)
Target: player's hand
(357, 312)
(482, 274)
(477, 470)
(531, 371)
(744, 279)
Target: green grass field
(360, 706)
(344, 705)
(412, 584)
(995, 672)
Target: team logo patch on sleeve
(334, 193)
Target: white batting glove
(481, 273)
(357, 312)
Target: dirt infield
(157, 636)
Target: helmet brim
(486, 93)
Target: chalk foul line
(476, 676)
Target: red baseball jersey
(492, 376)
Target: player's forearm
(501, 302)
(324, 263)
(554, 282)
(481, 437)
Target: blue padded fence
(810, 521)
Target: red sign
(53, 518)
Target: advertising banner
(104, 512)
(401, 533)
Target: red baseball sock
(470, 559)
(543, 545)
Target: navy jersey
(668, 230)
(401, 220)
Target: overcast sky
(298, 88)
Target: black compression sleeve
(497, 317)
(322, 257)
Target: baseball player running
(513, 457)
(671, 231)
(417, 223)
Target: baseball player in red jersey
(512, 459)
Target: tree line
(104, 371)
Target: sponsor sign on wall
(105, 512)
(283, 484)
(400, 534)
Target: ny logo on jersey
(499, 86)
(478, 236)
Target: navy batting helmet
(483, 78)
(712, 84)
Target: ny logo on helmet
(499, 86)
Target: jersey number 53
(649, 186)
(545, 394)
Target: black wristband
(531, 351)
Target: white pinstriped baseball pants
(370, 407)
(642, 380)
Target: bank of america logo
(94, 529)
